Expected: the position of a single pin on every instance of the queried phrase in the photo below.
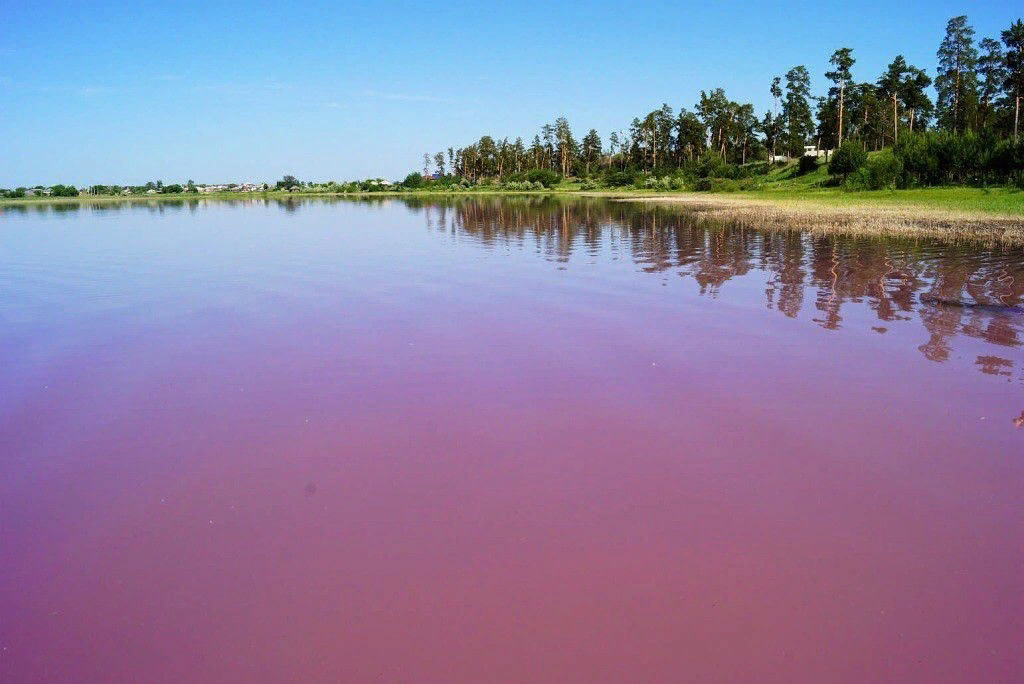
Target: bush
(711, 165)
(941, 158)
(618, 179)
(518, 186)
(1007, 161)
(725, 184)
(413, 180)
(64, 191)
(883, 170)
(546, 177)
(850, 156)
(588, 185)
(807, 165)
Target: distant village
(157, 188)
(287, 184)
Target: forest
(889, 131)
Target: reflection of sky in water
(312, 441)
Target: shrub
(940, 158)
(725, 184)
(711, 165)
(546, 177)
(413, 180)
(1007, 161)
(64, 191)
(850, 156)
(807, 165)
(883, 170)
(588, 185)
(618, 179)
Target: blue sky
(126, 93)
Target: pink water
(503, 441)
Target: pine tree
(957, 81)
(1013, 39)
(842, 59)
(796, 109)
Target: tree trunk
(956, 96)
(842, 88)
(895, 122)
(1016, 118)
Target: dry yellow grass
(906, 221)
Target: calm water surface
(503, 441)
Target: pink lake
(503, 440)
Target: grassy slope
(785, 185)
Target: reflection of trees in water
(888, 276)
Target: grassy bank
(787, 185)
(819, 215)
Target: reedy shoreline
(844, 213)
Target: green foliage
(64, 191)
(1007, 161)
(957, 81)
(796, 109)
(173, 189)
(943, 158)
(711, 165)
(619, 179)
(725, 185)
(850, 156)
(517, 185)
(413, 180)
(546, 177)
(807, 165)
(882, 170)
(287, 183)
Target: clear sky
(105, 92)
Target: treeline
(978, 88)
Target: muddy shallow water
(503, 440)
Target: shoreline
(846, 213)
